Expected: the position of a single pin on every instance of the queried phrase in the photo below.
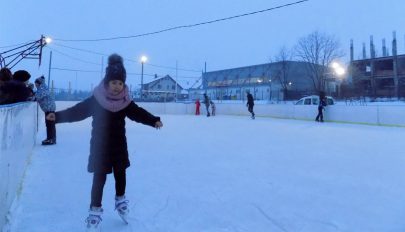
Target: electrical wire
(129, 73)
(126, 59)
(183, 26)
(74, 70)
(80, 49)
(173, 68)
(73, 58)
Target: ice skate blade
(124, 218)
(93, 229)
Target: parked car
(314, 100)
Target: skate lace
(97, 219)
(120, 206)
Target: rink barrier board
(384, 115)
(18, 128)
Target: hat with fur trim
(21, 75)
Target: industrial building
(378, 75)
(272, 81)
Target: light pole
(270, 90)
(143, 60)
(48, 40)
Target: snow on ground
(226, 173)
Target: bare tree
(281, 72)
(318, 50)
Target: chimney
(394, 43)
(364, 51)
(384, 48)
(351, 50)
(372, 49)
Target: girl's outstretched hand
(51, 117)
(158, 124)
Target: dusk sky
(243, 41)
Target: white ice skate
(121, 205)
(94, 219)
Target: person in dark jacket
(47, 103)
(14, 90)
(24, 76)
(250, 103)
(207, 104)
(5, 76)
(109, 105)
(321, 107)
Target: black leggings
(98, 186)
(250, 109)
(50, 127)
(320, 114)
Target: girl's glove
(51, 117)
(158, 124)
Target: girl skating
(109, 105)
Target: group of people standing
(15, 87)
(250, 104)
(207, 102)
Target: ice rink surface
(223, 174)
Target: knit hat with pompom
(115, 69)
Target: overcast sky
(233, 43)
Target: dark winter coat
(108, 144)
(250, 100)
(206, 101)
(14, 91)
(322, 103)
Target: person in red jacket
(197, 107)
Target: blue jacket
(45, 100)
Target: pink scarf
(113, 103)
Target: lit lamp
(143, 60)
(338, 71)
(48, 40)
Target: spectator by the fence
(47, 103)
(13, 90)
(24, 76)
(5, 76)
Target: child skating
(213, 108)
(109, 105)
(47, 103)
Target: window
(173, 87)
(315, 101)
(300, 102)
(159, 86)
(307, 101)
